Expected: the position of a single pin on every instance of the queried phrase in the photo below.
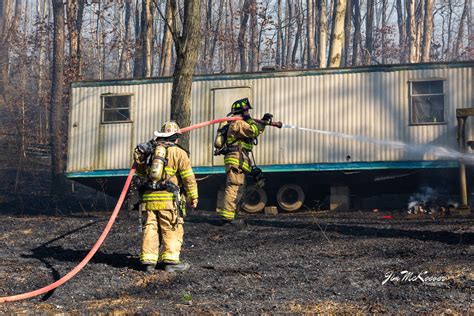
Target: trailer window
(427, 102)
(115, 108)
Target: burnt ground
(301, 263)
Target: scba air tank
(158, 164)
(220, 136)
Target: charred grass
(304, 263)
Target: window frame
(411, 95)
(103, 109)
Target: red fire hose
(104, 234)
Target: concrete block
(340, 198)
(271, 210)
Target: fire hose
(111, 221)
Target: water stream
(438, 151)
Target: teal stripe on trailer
(295, 167)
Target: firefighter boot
(176, 267)
(148, 268)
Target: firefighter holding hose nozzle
(235, 140)
(164, 166)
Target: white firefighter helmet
(168, 129)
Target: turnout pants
(161, 229)
(234, 191)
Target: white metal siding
(372, 104)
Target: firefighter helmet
(241, 106)
(168, 129)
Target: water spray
(423, 149)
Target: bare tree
(187, 48)
(347, 32)
(75, 12)
(357, 36)
(166, 46)
(253, 36)
(311, 55)
(384, 31)
(56, 114)
(369, 25)
(459, 39)
(147, 38)
(278, 54)
(411, 31)
(323, 34)
(243, 29)
(125, 38)
(337, 34)
(138, 53)
(401, 31)
(428, 31)
(9, 15)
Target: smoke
(428, 200)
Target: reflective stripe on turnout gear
(227, 215)
(192, 194)
(236, 162)
(148, 258)
(245, 144)
(158, 196)
(169, 257)
(186, 173)
(170, 171)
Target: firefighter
(236, 143)
(164, 166)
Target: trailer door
(222, 101)
(115, 132)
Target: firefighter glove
(267, 117)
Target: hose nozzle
(274, 124)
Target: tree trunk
(419, 14)
(167, 45)
(75, 12)
(278, 56)
(459, 39)
(323, 34)
(147, 40)
(244, 17)
(187, 48)
(299, 30)
(125, 39)
(369, 25)
(337, 34)
(215, 37)
(347, 33)
(384, 31)
(8, 22)
(311, 55)
(357, 36)
(138, 54)
(288, 31)
(401, 31)
(253, 36)
(411, 31)
(428, 31)
(56, 114)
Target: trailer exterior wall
(372, 102)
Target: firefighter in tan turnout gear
(164, 166)
(235, 140)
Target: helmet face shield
(241, 106)
(168, 129)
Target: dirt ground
(296, 263)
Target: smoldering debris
(429, 201)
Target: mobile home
(410, 103)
